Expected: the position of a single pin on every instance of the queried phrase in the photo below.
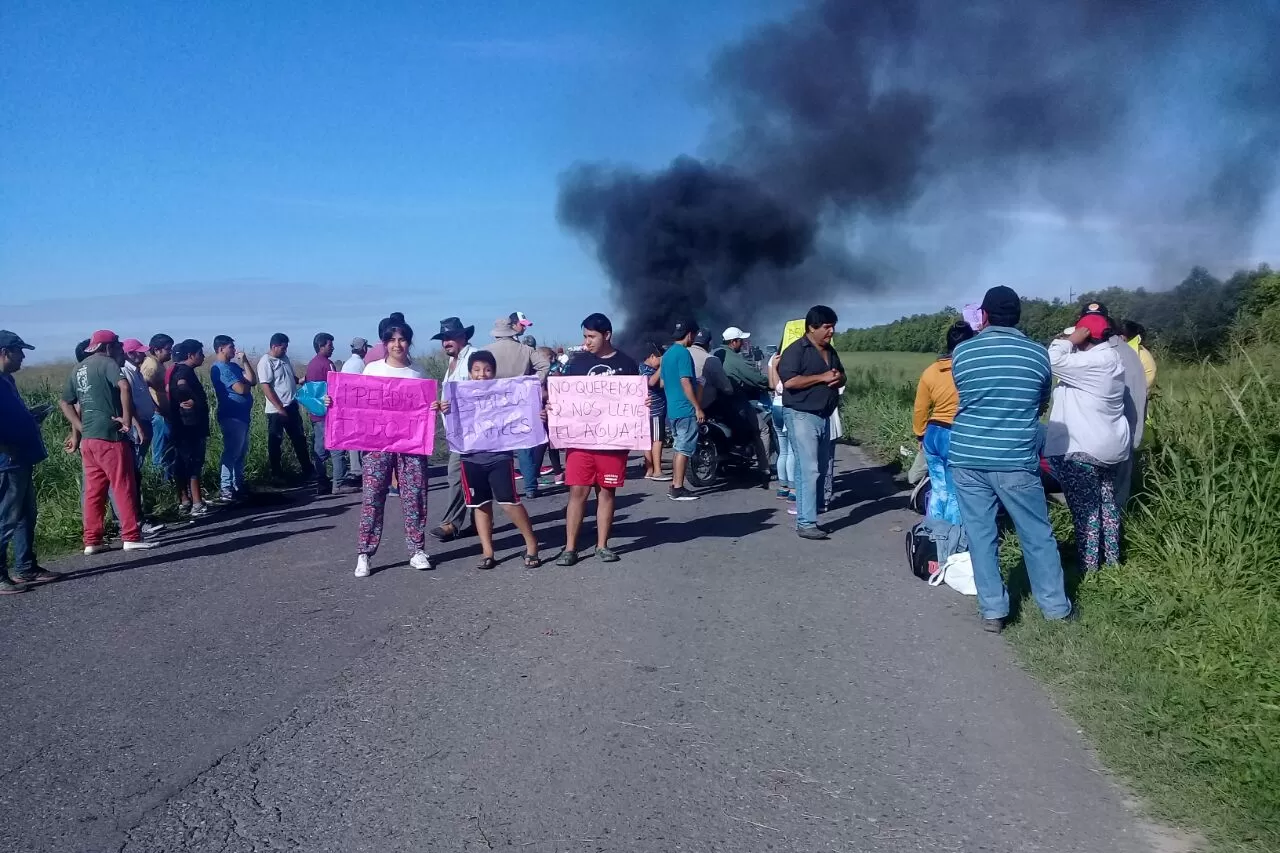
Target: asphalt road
(726, 687)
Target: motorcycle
(719, 450)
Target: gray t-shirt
(278, 373)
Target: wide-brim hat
(451, 327)
(502, 328)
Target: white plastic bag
(957, 573)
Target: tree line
(1200, 318)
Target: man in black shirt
(190, 425)
(812, 377)
(600, 470)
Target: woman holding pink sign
(410, 469)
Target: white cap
(733, 333)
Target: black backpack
(922, 552)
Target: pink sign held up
(380, 413)
(598, 412)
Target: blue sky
(247, 167)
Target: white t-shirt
(278, 373)
(143, 406)
(355, 364)
(381, 368)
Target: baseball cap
(1097, 325)
(134, 345)
(684, 327)
(357, 343)
(733, 333)
(9, 340)
(1094, 308)
(519, 320)
(100, 339)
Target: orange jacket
(936, 397)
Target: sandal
(487, 563)
(567, 558)
(532, 561)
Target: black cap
(9, 340)
(1002, 305)
(1094, 308)
(702, 339)
(683, 328)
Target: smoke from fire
(871, 145)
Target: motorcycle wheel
(705, 463)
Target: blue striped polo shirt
(1003, 380)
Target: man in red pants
(101, 429)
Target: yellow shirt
(936, 397)
(153, 374)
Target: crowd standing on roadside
(977, 417)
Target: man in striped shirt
(1003, 381)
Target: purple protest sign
(380, 413)
(497, 414)
(598, 412)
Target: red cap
(1096, 324)
(134, 345)
(101, 338)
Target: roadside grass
(57, 479)
(1174, 669)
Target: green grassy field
(1174, 669)
(57, 479)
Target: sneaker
(184, 509)
(815, 534)
(101, 548)
(138, 546)
(559, 479)
(148, 529)
(545, 470)
(200, 510)
(783, 494)
(36, 577)
(607, 555)
(7, 588)
(362, 566)
(529, 496)
(227, 497)
(421, 561)
(791, 510)
(993, 626)
(519, 476)
(347, 490)
(681, 494)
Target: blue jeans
(18, 520)
(942, 491)
(810, 448)
(529, 461)
(235, 447)
(319, 455)
(786, 459)
(684, 435)
(1022, 495)
(161, 447)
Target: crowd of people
(978, 420)
(127, 403)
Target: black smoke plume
(873, 144)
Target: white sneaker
(90, 550)
(149, 529)
(362, 566)
(420, 560)
(139, 546)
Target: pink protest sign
(500, 414)
(598, 412)
(380, 413)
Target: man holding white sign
(599, 421)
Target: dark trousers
(290, 421)
(18, 520)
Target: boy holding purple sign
(489, 476)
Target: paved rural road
(724, 688)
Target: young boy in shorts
(651, 369)
(489, 476)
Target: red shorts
(604, 468)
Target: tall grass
(1174, 671)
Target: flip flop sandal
(487, 563)
(532, 561)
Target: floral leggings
(1090, 490)
(412, 474)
